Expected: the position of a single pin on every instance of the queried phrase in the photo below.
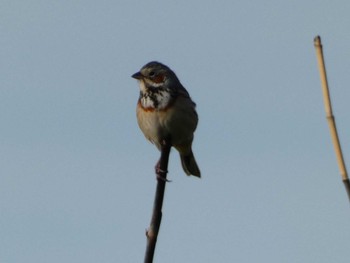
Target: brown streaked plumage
(165, 110)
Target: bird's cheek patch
(159, 79)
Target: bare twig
(329, 114)
(152, 231)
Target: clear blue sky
(76, 174)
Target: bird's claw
(161, 178)
(160, 174)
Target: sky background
(77, 176)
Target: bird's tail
(189, 164)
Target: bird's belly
(151, 125)
(161, 125)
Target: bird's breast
(155, 100)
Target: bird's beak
(137, 75)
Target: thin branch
(329, 114)
(152, 231)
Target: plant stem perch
(152, 231)
(329, 114)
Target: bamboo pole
(329, 114)
(152, 231)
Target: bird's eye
(152, 74)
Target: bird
(166, 112)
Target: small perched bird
(165, 111)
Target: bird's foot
(161, 174)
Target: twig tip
(317, 41)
